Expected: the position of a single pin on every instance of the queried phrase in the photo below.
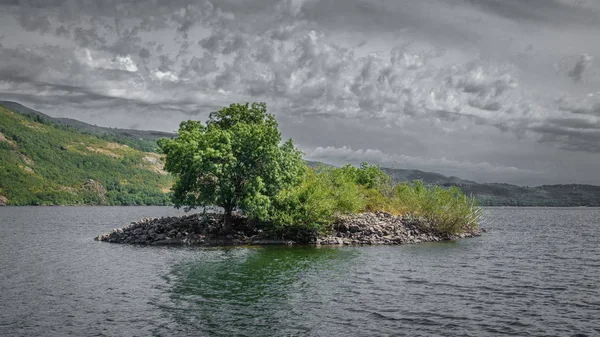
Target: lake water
(535, 273)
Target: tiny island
(268, 195)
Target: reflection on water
(250, 291)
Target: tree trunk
(227, 223)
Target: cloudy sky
(488, 90)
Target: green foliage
(304, 210)
(448, 211)
(308, 209)
(368, 176)
(44, 164)
(140, 144)
(234, 161)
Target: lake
(535, 273)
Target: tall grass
(310, 207)
(447, 211)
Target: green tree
(235, 161)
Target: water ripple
(533, 274)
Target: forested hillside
(45, 163)
(143, 140)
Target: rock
(354, 229)
(167, 242)
(342, 228)
(272, 242)
(96, 188)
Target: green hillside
(44, 163)
(142, 140)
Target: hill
(430, 178)
(46, 161)
(138, 139)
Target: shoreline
(379, 228)
(91, 205)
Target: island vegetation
(237, 161)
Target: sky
(486, 90)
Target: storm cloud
(482, 89)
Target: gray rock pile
(383, 228)
(378, 228)
(195, 229)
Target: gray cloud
(544, 12)
(444, 165)
(576, 73)
(589, 105)
(34, 22)
(428, 75)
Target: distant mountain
(430, 178)
(496, 194)
(316, 164)
(500, 194)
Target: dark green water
(534, 274)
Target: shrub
(343, 189)
(303, 211)
(368, 176)
(376, 201)
(448, 211)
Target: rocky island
(238, 161)
(379, 228)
